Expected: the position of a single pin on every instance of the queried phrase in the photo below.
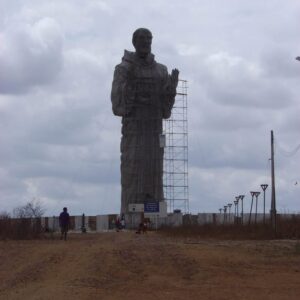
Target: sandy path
(129, 266)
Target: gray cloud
(31, 55)
(60, 140)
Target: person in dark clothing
(118, 224)
(64, 220)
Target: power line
(285, 152)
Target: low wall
(102, 222)
(107, 222)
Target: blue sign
(151, 207)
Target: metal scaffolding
(176, 189)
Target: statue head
(141, 40)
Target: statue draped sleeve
(118, 91)
(122, 94)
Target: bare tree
(4, 215)
(32, 209)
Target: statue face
(143, 43)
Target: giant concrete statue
(143, 93)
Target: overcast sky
(59, 141)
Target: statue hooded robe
(142, 95)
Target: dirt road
(129, 266)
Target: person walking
(123, 223)
(64, 220)
(118, 224)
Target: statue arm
(171, 82)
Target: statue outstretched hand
(174, 77)
(173, 81)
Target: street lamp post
(229, 208)
(235, 210)
(264, 187)
(225, 210)
(256, 197)
(242, 209)
(252, 195)
(220, 210)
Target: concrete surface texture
(125, 265)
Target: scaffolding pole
(176, 188)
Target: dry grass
(26, 228)
(20, 229)
(286, 229)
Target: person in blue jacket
(64, 221)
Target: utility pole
(273, 197)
